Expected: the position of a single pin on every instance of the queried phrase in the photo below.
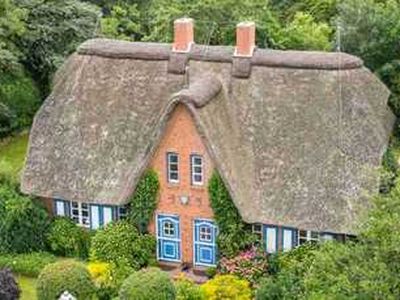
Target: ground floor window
(307, 236)
(89, 215)
(80, 213)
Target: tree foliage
(54, 30)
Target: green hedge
(24, 222)
(27, 264)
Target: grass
(12, 154)
(28, 287)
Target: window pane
(173, 158)
(173, 167)
(173, 176)
(287, 239)
(197, 169)
(197, 160)
(271, 240)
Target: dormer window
(197, 169)
(173, 167)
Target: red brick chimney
(183, 35)
(245, 38)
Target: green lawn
(12, 154)
(28, 287)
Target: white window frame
(311, 236)
(169, 163)
(193, 167)
(122, 212)
(205, 234)
(169, 230)
(79, 219)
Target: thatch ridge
(262, 57)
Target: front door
(205, 248)
(168, 238)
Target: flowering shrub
(186, 289)
(250, 264)
(226, 287)
(108, 277)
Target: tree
(54, 30)
(370, 29)
(303, 33)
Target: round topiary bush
(9, 289)
(68, 275)
(65, 238)
(148, 284)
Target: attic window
(173, 167)
(80, 213)
(197, 169)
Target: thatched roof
(296, 136)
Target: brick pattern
(182, 137)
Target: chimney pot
(245, 39)
(183, 35)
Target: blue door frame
(205, 247)
(168, 238)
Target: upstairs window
(80, 213)
(197, 169)
(173, 167)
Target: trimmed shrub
(250, 264)
(226, 287)
(30, 264)
(186, 289)
(23, 222)
(148, 284)
(65, 238)
(120, 243)
(9, 289)
(63, 276)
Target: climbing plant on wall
(234, 235)
(143, 202)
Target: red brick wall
(182, 137)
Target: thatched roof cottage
(296, 136)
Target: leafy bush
(144, 201)
(148, 284)
(9, 289)
(226, 287)
(23, 222)
(250, 264)
(65, 238)
(120, 242)
(234, 235)
(63, 276)
(30, 264)
(108, 277)
(186, 289)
